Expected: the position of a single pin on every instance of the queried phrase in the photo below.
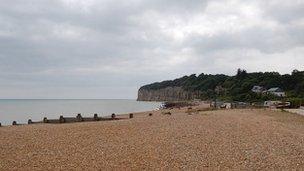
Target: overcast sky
(109, 48)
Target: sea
(36, 109)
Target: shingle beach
(211, 140)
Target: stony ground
(211, 140)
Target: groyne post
(14, 123)
(29, 121)
(96, 117)
(131, 115)
(113, 116)
(150, 114)
(0, 124)
(79, 117)
(45, 120)
(61, 119)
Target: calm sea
(22, 110)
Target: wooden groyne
(78, 118)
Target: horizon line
(66, 99)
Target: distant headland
(247, 87)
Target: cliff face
(166, 94)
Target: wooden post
(14, 123)
(113, 116)
(166, 113)
(79, 118)
(131, 115)
(96, 117)
(0, 124)
(45, 120)
(29, 121)
(61, 119)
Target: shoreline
(196, 105)
(23, 110)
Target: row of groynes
(78, 118)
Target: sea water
(22, 110)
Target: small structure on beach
(270, 103)
(166, 113)
(276, 104)
(228, 105)
(216, 104)
(222, 105)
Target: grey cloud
(284, 11)
(264, 40)
(112, 43)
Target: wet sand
(223, 139)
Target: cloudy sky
(109, 48)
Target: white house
(277, 92)
(257, 89)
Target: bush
(296, 102)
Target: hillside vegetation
(238, 87)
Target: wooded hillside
(238, 87)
